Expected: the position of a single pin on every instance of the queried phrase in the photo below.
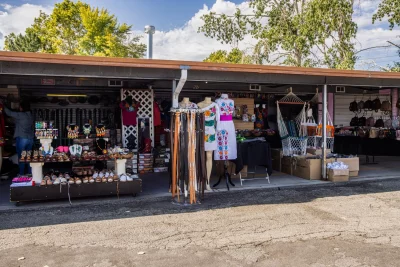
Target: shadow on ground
(131, 208)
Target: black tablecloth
(253, 154)
(355, 145)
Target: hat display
(63, 103)
(82, 99)
(93, 100)
(73, 99)
(43, 99)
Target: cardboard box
(353, 163)
(338, 175)
(317, 151)
(277, 156)
(306, 168)
(287, 165)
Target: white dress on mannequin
(226, 135)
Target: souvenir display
(100, 130)
(73, 131)
(87, 129)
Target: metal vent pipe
(150, 30)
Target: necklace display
(87, 128)
(100, 130)
(73, 131)
(103, 150)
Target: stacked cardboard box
(162, 159)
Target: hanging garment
(156, 114)
(226, 136)
(129, 113)
(259, 124)
(2, 126)
(212, 117)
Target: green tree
(389, 9)
(23, 43)
(235, 56)
(304, 33)
(76, 28)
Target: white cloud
(187, 44)
(17, 18)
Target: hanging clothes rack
(188, 159)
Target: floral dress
(211, 115)
(226, 136)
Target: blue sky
(177, 22)
(166, 14)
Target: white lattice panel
(145, 111)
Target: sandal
(35, 156)
(129, 178)
(104, 180)
(71, 180)
(23, 156)
(101, 174)
(44, 181)
(28, 156)
(85, 180)
(57, 181)
(79, 172)
(98, 180)
(67, 176)
(78, 181)
(91, 180)
(49, 182)
(116, 178)
(66, 158)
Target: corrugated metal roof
(201, 66)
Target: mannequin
(211, 113)
(226, 136)
(185, 103)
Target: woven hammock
(294, 133)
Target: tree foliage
(306, 33)
(24, 43)
(76, 28)
(235, 56)
(389, 9)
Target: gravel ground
(343, 225)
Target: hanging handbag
(370, 122)
(354, 121)
(362, 121)
(368, 105)
(373, 133)
(379, 123)
(376, 104)
(361, 105)
(363, 133)
(353, 106)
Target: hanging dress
(226, 136)
(211, 114)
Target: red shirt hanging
(156, 114)
(129, 113)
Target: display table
(355, 145)
(52, 192)
(252, 154)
